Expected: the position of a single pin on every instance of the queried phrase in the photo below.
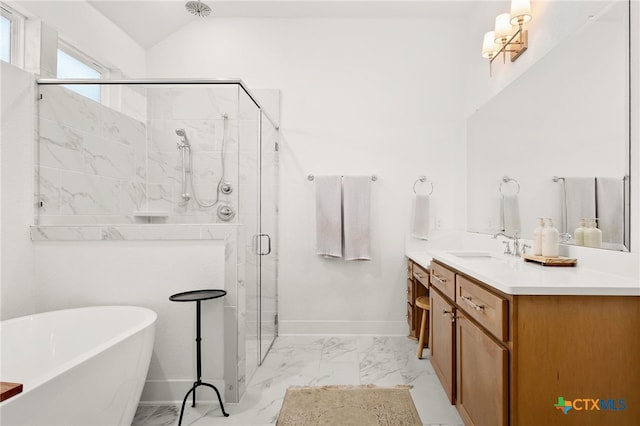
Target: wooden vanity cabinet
(471, 363)
(507, 359)
(442, 341)
(417, 284)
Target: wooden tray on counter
(8, 389)
(550, 261)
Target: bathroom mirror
(566, 116)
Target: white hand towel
(610, 209)
(356, 195)
(510, 214)
(420, 217)
(580, 197)
(329, 216)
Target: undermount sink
(471, 253)
(485, 257)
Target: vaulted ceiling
(150, 21)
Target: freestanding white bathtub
(82, 367)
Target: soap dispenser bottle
(550, 237)
(579, 232)
(537, 238)
(592, 235)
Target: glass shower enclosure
(197, 157)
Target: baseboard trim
(375, 328)
(159, 392)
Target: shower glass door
(249, 212)
(268, 242)
(258, 215)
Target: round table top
(196, 295)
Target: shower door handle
(261, 253)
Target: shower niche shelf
(150, 216)
(151, 213)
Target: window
(11, 35)
(5, 37)
(73, 64)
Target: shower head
(183, 134)
(198, 8)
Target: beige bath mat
(348, 406)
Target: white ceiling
(150, 21)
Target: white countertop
(512, 275)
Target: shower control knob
(226, 188)
(226, 213)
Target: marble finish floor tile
(316, 361)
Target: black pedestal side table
(198, 296)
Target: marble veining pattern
(130, 232)
(89, 159)
(318, 360)
(85, 143)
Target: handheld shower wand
(184, 146)
(187, 167)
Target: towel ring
(422, 179)
(506, 179)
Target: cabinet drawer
(421, 274)
(489, 309)
(443, 279)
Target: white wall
(144, 273)
(359, 96)
(17, 285)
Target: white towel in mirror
(356, 195)
(329, 215)
(580, 199)
(610, 209)
(510, 209)
(420, 228)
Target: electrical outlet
(438, 223)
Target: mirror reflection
(555, 142)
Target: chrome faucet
(516, 243)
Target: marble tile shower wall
(90, 161)
(98, 165)
(200, 111)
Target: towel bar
(312, 177)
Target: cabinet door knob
(453, 315)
